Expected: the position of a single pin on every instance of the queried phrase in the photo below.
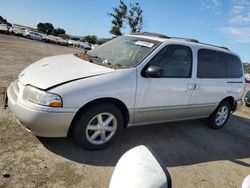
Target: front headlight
(42, 97)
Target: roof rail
(181, 38)
(222, 47)
(186, 39)
(152, 34)
(194, 40)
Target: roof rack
(194, 40)
(152, 35)
(222, 47)
(186, 39)
(181, 38)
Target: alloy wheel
(221, 116)
(101, 128)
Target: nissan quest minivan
(144, 78)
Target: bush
(247, 70)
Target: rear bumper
(40, 123)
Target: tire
(89, 131)
(220, 116)
(28, 37)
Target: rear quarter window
(216, 64)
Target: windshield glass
(123, 51)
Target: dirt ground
(195, 155)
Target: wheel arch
(118, 103)
(231, 101)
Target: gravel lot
(195, 155)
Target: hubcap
(101, 128)
(221, 116)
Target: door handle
(197, 86)
(191, 87)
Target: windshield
(123, 51)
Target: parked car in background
(62, 41)
(73, 43)
(87, 46)
(4, 28)
(18, 31)
(145, 78)
(247, 99)
(33, 35)
(247, 77)
(55, 40)
(84, 45)
(51, 39)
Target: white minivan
(145, 78)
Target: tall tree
(118, 15)
(135, 18)
(121, 15)
(45, 28)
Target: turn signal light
(55, 104)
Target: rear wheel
(219, 117)
(98, 126)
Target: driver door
(166, 97)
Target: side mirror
(140, 167)
(153, 71)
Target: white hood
(54, 70)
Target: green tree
(2, 20)
(121, 16)
(118, 16)
(91, 39)
(135, 18)
(58, 31)
(64, 36)
(247, 70)
(45, 28)
(103, 40)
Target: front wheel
(98, 126)
(219, 117)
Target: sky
(219, 22)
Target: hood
(51, 71)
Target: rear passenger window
(234, 67)
(175, 61)
(208, 66)
(214, 64)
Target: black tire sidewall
(85, 116)
(212, 117)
